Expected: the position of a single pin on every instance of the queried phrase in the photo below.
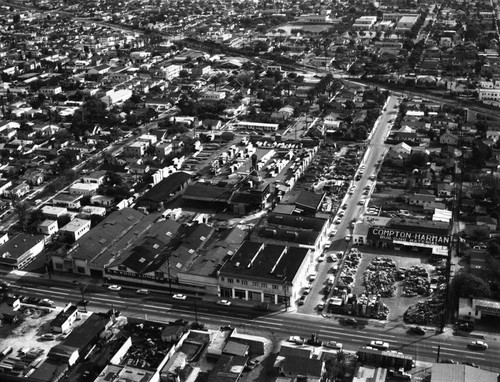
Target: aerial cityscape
(224, 191)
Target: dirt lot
(397, 304)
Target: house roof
(443, 372)
(207, 192)
(294, 365)
(164, 188)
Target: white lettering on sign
(411, 237)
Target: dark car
(302, 300)
(417, 330)
(348, 321)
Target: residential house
(405, 134)
(422, 200)
(71, 201)
(448, 138)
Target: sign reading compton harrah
(388, 234)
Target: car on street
(179, 296)
(47, 302)
(321, 306)
(307, 290)
(416, 330)
(380, 345)
(115, 287)
(47, 337)
(142, 291)
(333, 233)
(478, 345)
(332, 345)
(224, 302)
(347, 238)
(312, 276)
(322, 256)
(348, 321)
(330, 280)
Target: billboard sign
(388, 234)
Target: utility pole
(82, 290)
(284, 289)
(195, 313)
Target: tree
(468, 285)
(23, 213)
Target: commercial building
(291, 230)
(445, 372)
(264, 272)
(21, 250)
(76, 228)
(83, 188)
(364, 23)
(476, 308)
(431, 237)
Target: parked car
(224, 302)
(47, 337)
(302, 300)
(333, 345)
(478, 345)
(312, 276)
(115, 287)
(381, 345)
(179, 296)
(307, 290)
(142, 291)
(296, 340)
(321, 257)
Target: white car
(321, 257)
(224, 302)
(333, 233)
(296, 340)
(332, 345)
(142, 291)
(312, 276)
(115, 287)
(179, 296)
(381, 345)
